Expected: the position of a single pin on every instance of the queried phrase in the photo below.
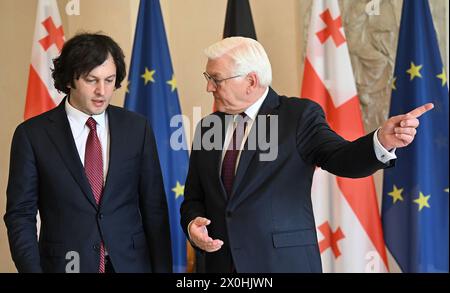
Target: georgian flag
(47, 44)
(346, 210)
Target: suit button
(96, 247)
(100, 216)
(228, 214)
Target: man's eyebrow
(214, 74)
(93, 76)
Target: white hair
(247, 54)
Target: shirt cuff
(383, 155)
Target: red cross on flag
(47, 44)
(346, 210)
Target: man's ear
(253, 80)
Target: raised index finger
(419, 111)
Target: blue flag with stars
(415, 192)
(152, 91)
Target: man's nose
(100, 88)
(210, 86)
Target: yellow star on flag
(148, 76)
(414, 71)
(172, 83)
(394, 86)
(179, 190)
(396, 194)
(446, 190)
(128, 84)
(422, 201)
(443, 77)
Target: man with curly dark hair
(92, 171)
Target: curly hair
(83, 53)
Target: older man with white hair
(246, 214)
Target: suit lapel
(60, 133)
(116, 131)
(269, 107)
(217, 156)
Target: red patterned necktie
(93, 166)
(232, 153)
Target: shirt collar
(78, 119)
(253, 110)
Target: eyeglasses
(217, 82)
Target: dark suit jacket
(267, 225)
(46, 174)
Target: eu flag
(415, 192)
(152, 91)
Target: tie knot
(241, 119)
(92, 124)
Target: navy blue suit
(267, 224)
(46, 174)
